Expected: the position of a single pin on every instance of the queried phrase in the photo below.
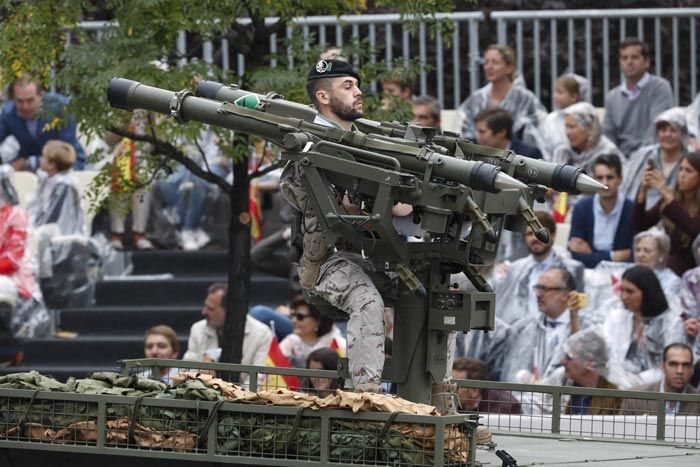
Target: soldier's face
(346, 98)
(678, 368)
(213, 312)
(158, 346)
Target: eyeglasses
(299, 316)
(544, 288)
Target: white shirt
(634, 93)
(605, 225)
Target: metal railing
(599, 61)
(541, 410)
(591, 412)
(591, 38)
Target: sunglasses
(299, 316)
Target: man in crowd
(205, 336)
(494, 128)
(677, 367)
(426, 112)
(632, 106)
(31, 118)
(584, 363)
(516, 292)
(601, 225)
(481, 400)
(535, 341)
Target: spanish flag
(275, 358)
(255, 211)
(338, 349)
(560, 208)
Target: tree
(138, 44)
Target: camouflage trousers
(349, 287)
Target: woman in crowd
(679, 210)
(323, 359)
(651, 249)
(585, 141)
(664, 156)
(638, 331)
(499, 68)
(568, 90)
(312, 331)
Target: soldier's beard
(344, 111)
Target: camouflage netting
(239, 433)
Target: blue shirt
(605, 225)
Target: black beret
(331, 69)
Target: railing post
(660, 417)
(556, 412)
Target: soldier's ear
(323, 97)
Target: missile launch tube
(130, 95)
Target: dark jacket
(645, 406)
(681, 258)
(583, 224)
(525, 149)
(54, 104)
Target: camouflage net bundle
(238, 432)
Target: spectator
(677, 370)
(161, 342)
(323, 359)
(312, 331)
(399, 83)
(679, 210)
(638, 331)
(499, 68)
(584, 139)
(690, 300)
(568, 90)
(487, 346)
(665, 156)
(534, 342)
(601, 224)
(21, 305)
(190, 193)
(426, 112)
(632, 106)
(584, 363)
(494, 128)
(516, 288)
(126, 154)
(30, 118)
(481, 400)
(693, 118)
(205, 334)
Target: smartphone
(685, 316)
(651, 164)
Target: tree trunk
(239, 266)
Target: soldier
(344, 279)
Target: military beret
(331, 69)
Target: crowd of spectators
(616, 307)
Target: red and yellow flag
(338, 349)
(255, 210)
(275, 358)
(560, 208)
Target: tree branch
(168, 150)
(259, 173)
